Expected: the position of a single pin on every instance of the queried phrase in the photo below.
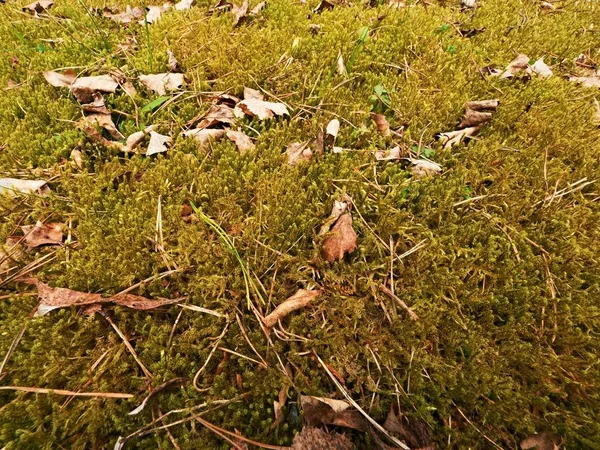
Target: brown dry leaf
(203, 136)
(220, 6)
(391, 154)
(183, 5)
(413, 431)
(239, 12)
(478, 112)
(383, 126)
(13, 186)
(258, 8)
(129, 15)
(341, 67)
(241, 140)
(159, 143)
(323, 5)
(311, 438)
(103, 121)
(43, 234)
(54, 298)
(97, 105)
(38, 7)
(57, 79)
(253, 105)
(172, 63)
(298, 152)
(546, 440)
(341, 240)
(153, 13)
(100, 83)
(319, 411)
(339, 208)
(135, 139)
(217, 114)
(520, 63)
(297, 301)
(82, 88)
(161, 83)
(278, 407)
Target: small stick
(128, 345)
(410, 312)
(63, 392)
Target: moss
(491, 339)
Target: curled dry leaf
(333, 128)
(43, 234)
(338, 209)
(240, 12)
(383, 126)
(341, 240)
(54, 298)
(13, 186)
(318, 411)
(38, 7)
(323, 5)
(422, 168)
(341, 67)
(77, 159)
(476, 114)
(172, 63)
(135, 139)
(298, 152)
(520, 63)
(297, 301)
(278, 407)
(546, 440)
(103, 121)
(260, 109)
(97, 105)
(452, 138)
(310, 438)
(161, 83)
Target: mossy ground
(491, 339)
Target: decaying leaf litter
(345, 240)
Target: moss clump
(506, 287)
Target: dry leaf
(452, 138)
(183, 5)
(54, 298)
(258, 8)
(319, 411)
(338, 209)
(159, 143)
(391, 154)
(253, 94)
(103, 121)
(77, 159)
(298, 152)
(547, 6)
(254, 107)
(278, 407)
(220, 6)
(383, 126)
(241, 140)
(64, 79)
(422, 168)
(129, 15)
(520, 63)
(413, 431)
(217, 114)
(12, 186)
(38, 7)
(323, 5)
(546, 440)
(239, 12)
(172, 63)
(153, 13)
(341, 240)
(299, 300)
(161, 83)
(100, 83)
(82, 88)
(43, 234)
(591, 79)
(540, 68)
(469, 4)
(311, 438)
(203, 136)
(97, 106)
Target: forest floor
(415, 183)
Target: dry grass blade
(410, 312)
(63, 392)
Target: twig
(63, 392)
(128, 345)
(410, 312)
(215, 428)
(476, 429)
(202, 310)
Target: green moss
(491, 339)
